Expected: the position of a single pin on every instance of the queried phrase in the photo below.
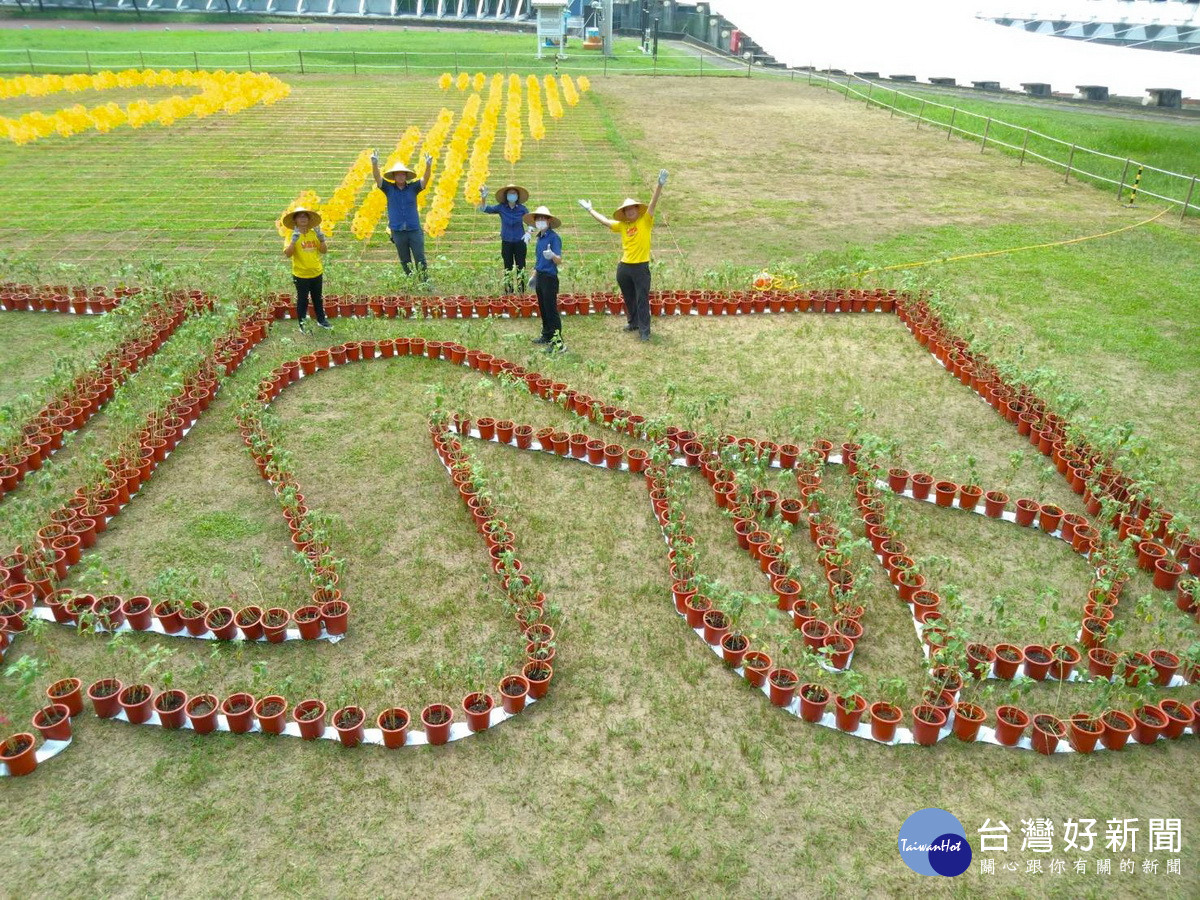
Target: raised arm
(428, 171)
(662, 179)
(375, 168)
(483, 194)
(602, 219)
(322, 247)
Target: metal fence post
(870, 85)
(810, 71)
(195, 62)
(88, 56)
(456, 62)
(301, 52)
(1121, 186)
(1024, 144)
(1188, 201)
(354, 60)
(249, 61)
(921, 114)
(142, 59)
(950, 128)
(701, 63)
(1070, 162)
(986, 129)
(405, 62)
(32, 67)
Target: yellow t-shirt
(306, 261)
(635, 238)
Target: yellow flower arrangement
(445, 81)
(478, 168)
(338, 206)
(442, 206)
(463, 81)
(569, 93)
(584, 84)
(434, 138)
(553, 103)
(512, 114)
(369, 212)
(479, 81)
(230, 92)
(537, 126)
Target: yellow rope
(766, 281)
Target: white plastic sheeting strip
(292, 634)
(417, 738)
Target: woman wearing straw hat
(634, 221)
(545, 275)
(305, 248)
(513, 237)
(401, 191)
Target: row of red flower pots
(662, 303)
(61, 298)
(1087, 470)
(44, 432)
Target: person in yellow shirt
(305, 249)
(634, 221)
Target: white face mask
(541, 224)
(512, 197)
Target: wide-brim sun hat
(628, 202)
(522, 194)
(314, 217)
(409, 174)
(530, 218)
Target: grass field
(649, 769)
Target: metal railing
(45, 62)
(1084, 163)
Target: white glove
(662, 177)
(375, 157)
(548, 253)
(295, 235)
(532, 280)
(428, 159)
(586, 204)
(528, 234)
(319, 233)
(483, 192)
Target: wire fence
(1130, 177)
(302, 62)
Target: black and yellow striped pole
(1137, 179)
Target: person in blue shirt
(513, 237)
(401, 191)
(547, 259)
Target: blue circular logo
(933, 842)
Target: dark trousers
(634, 281)
(410, 246)
(513, 254)
(306, 288)
(547, 294)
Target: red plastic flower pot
(170, 706)
(514, 689)
(393, 723)
(477, 706)
(19, 753)
(335, 614)
(1037, 661)
(884, 719)
(271, 712)
(1084, 731)
(249, 622)
(848, 711)
(1011, 723)
(782, 686)
(201, 712)
(239, 712)
(1118, 726)
(310, 716)
(437, 718)
(67, 691)
(308, 621)
(927, 724)
(968, 718)
(1149, 723)
(733, 648)
(539, 674)
(1179, 716)
(755, 666)
(350, 724)
(137, 612)
(1047, 732)
(54, 722)
(220, 622)
(1008, 659)
(136, 700)
(104, 695)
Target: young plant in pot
(849, 705)
(887, 712)
(1011, 719)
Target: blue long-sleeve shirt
(512, 227)
(548, 238)
(402, 204)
